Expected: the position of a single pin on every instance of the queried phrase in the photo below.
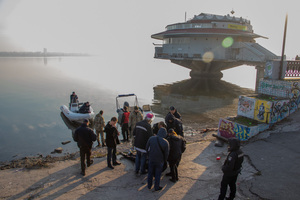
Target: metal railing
(292, 69)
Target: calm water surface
(33, 89)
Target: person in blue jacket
(157, 148)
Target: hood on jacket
(170, 116)
(234, 144)
(162, 132)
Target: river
(33, 89)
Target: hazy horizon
(124, 28)
(120, 31)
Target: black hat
(172, 108)
(85, 120)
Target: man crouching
(84, 136)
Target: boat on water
(145, 109)
(73, 114)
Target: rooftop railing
(293, 69)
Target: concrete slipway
(270, 171)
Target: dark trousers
(140, 161)
(85, 153)
(173, 168)
(154, 169)
(125, 131)
(228, 180)
(111, 155)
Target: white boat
(73, 115)
(145, 109)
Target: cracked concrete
(275, 155)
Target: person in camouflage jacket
(134, 117)
(99, 125)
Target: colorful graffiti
(262, 108)
(230, 129)
(226, 128)
(267, 111)
(280, 110)
(246, 106)
(241, 132)
(294, 97)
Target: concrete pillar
(260, 70)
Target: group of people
(85, 108)
(128, 120)
(155, 147)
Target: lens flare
(227, 42)
(208, 57)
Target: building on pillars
(208, 44)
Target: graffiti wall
(280, 110)
(286, 89)
(294, 96)
(277, 88)
(285, 102)
(246, 106)
(262, 109)
(226, 128)
(230, 129)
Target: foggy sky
(125, 27)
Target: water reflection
(203, 101)
(74, 125)
(32, 92)
(71, 125)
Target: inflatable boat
(73, 115)
(145, 109)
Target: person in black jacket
(177, 147)
(85, 108)
(112, 140)
(157, 126)
(174, 112)
(141, 133)
(73, 98)
(174, 123)
(231, 168)
(84, 136)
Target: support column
(260, 71)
